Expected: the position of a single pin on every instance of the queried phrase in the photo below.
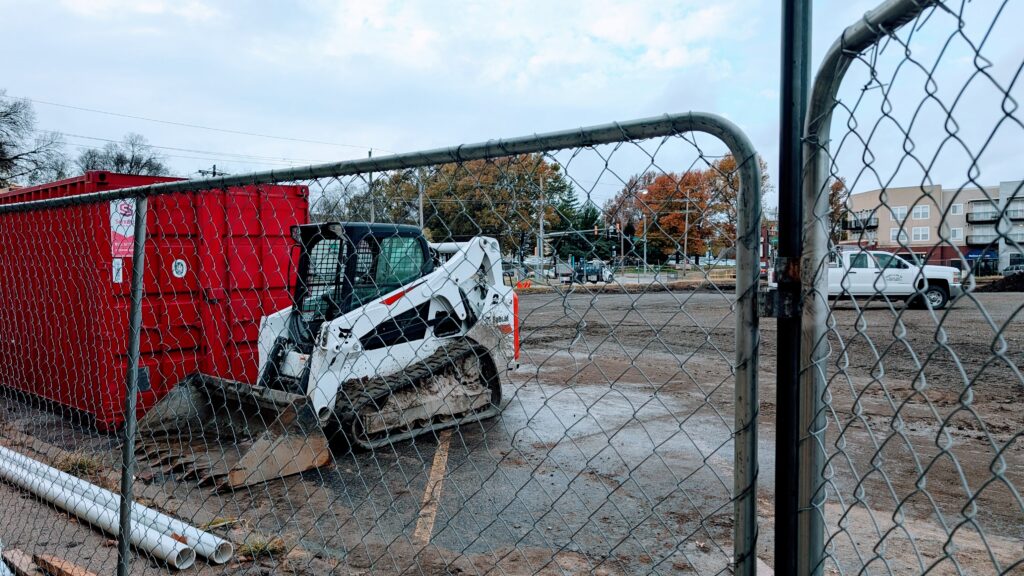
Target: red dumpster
(216, 262)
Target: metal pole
(795, 74)
(128, 444)
(686, 234)
(748, 342)
(622, 244)
(645, 244)
(539, 271)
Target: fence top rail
(653, 127)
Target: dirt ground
(613, 455)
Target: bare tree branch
(27, 157)
(132, 155)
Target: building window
(897, 235)
(922, 212)
(921, 234)
(898, 213)
(956, 210)
(956, 233)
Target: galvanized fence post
(128, 442)
(814, 347)
(748, 340)
(795, 77)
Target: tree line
(691, 211)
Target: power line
(208, 158)
(186, 124)
(221, 155)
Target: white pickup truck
(862, 274)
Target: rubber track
(354, 395)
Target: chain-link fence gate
(318, 361)
(911, 459)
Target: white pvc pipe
(176, 554)
(4, 570)
(214, 548)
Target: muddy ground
(613, 455)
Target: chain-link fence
(912, 460)
(526, 356)
(540, 355)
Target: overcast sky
(403, 76)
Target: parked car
(1014, 269)
(594, 271)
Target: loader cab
(345, 265)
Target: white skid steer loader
(388, 337)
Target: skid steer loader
(388, 337)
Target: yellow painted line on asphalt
(432, 492)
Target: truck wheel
(937, 296)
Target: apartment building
(974, 227)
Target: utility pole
(622, 243)
(539, 270)
(212, 172)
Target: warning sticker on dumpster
(122, 227)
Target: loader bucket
(231, 434)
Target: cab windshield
(890, 261)
(341, 277)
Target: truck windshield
(890, 261)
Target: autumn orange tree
(676, 209)
(695, 210)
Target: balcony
(982, 216)
(982, 239)
(1015, 213)
(856, 223)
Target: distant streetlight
(643, 220)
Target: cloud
(191, 10)
(516, 44)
